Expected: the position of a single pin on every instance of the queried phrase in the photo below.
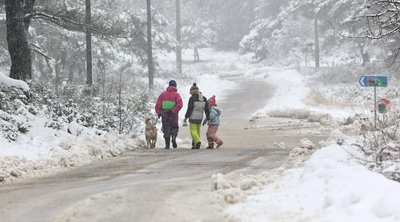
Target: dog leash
(155, 123)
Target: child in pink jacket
(213, 124)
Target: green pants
(195, 132)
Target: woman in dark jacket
(168, 105)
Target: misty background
(338, 40)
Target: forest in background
(284, 31)
(337, 37)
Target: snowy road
(155, 185)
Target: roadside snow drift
(332, 186)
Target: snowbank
(30, 147)
(293, 98)
(44, 151)
(332, 186)
(8, 82)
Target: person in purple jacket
(168, 105)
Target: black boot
(174, 145)
(167, 140)
(198, 145)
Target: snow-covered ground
(44, 150)
(332, 186)
(325, 184)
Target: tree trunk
(50, 66)
(102, 71)
(316, 32)
(41, 68)
(60, 64)
(150, 62)
(178, 38)
(57, 76)
(121, 127)
(196, 54)
(365, 55)
(81, 73)
(89, 74)
(102, 76)
(17, 37)
(120, 102)
(71, 74)
(28, 9)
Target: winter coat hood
(169, 100)
(172, 89)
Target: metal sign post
(374, 81)
(375, 107)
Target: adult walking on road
(168, 105)
(197, 106)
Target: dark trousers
(170, 125)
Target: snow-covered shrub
(93, 107)
(15, 112)
(51, 105)
(381, 146)
(338, 74)
(8, 130)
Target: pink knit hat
(212, 101)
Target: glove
(185, 122)
(205, 121)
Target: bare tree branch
(39, 50)
(60, 19)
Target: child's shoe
(198, 145)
